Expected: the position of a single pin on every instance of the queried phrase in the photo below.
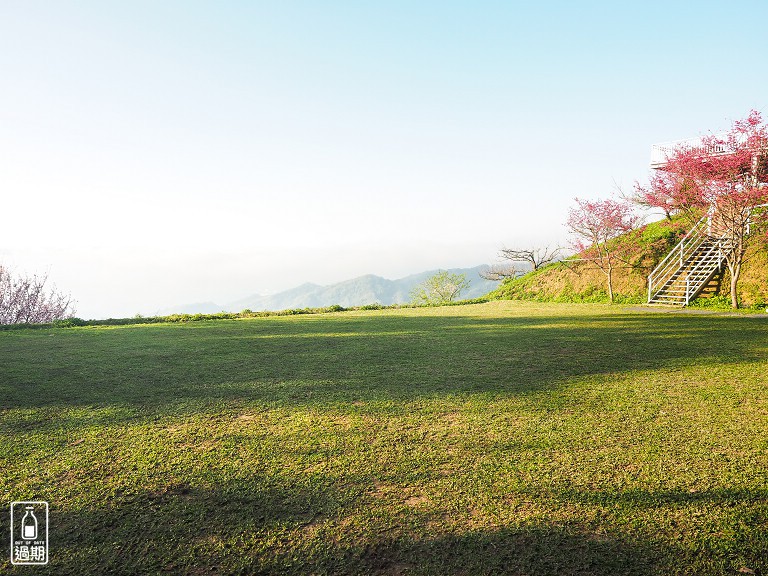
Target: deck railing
(660, 152)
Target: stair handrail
(690, 289)
(681, 252)
(675, 261)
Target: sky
(154, 154)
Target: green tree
(441, 288)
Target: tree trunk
(735, 272)
(734, 266)
(609, 273)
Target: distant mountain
(366, 289)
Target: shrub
(68, 322)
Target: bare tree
(500, 272)
(535, 257)
(25, 299)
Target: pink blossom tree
(722, 175)
(26, 299)
(594, 226)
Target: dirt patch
(415, 501)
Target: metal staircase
(690, 267)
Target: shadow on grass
(726, 524)
(342, 359)
(640, 498)
(183, 528)
(534, 550)
(257, 526)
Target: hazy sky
(159, 153)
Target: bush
(723, 302)
(68, 322)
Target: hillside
(359, 291)
(576, 281)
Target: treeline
(182, 318)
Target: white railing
(675, 262)
(677, 258)
(702, 271)
(660, 152)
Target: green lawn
(500, 438)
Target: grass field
(501, 438)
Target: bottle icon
(29, 524)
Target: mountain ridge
(358, 291)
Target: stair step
(691, 267)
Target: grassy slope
(582, 282)
(508, 437)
